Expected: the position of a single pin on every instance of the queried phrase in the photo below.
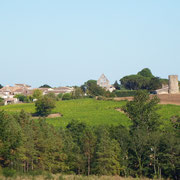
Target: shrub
(1, 101)
(101, 98)
(60, 95)
(22, 98)
(49, 176)
(9, 172)
(35, 173)
(66, 96)
(125, 93)
(61, 178)
(110, 94)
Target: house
(56, 91)
(8, 92)
(163, 90)
(11, 101)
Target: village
(9, 93)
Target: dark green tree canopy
(45, 86)
(117, 85)
(1, 86)
(145, 73)
(143, 111)
(91, 88)
(142, 80)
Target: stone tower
(173, 84)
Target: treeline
(146, 148)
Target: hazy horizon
(67, 43)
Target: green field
(91, 111)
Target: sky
(67, 42)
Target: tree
(76, 130)
(135, 82)
(66, 96)
(122, 136)
(155, 83)
(10, 137)
(52, 95)
(142, 80)
(45, 86)
(22, 98)
(107, 154)
(88, 146)
(77, 93)
(145, 73)
(44, 106)
(117, 85)
(145, 121)
(1, 86)
(91, 88)
(37, 94)
(143, 111)
(1, 101)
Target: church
(105, 83)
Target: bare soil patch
(120, 110)
(123, 98)
(55, 115)
(164, 98)
(169, 99)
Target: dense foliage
(125, 93)
(1, 101)
(23, 98)
(37, 94)
(142, 80)
(45, 86)
(143, 149)
(92, 89)
(117, 85)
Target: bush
(35, 173)
(1, 101)
(49, 176)
(110, 94)
(9, 172)
(61, 178)
(60, 95)
(66, 96)
(125, 93)
(101, 98)
(23, 98)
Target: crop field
(92, 112)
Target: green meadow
(91, 111)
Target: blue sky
(69, 42)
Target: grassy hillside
(91, 111)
